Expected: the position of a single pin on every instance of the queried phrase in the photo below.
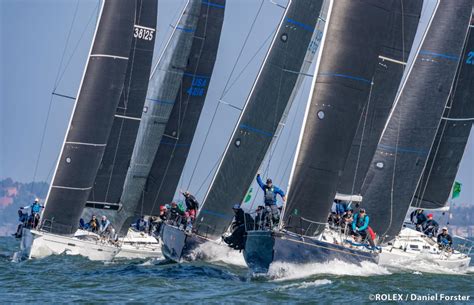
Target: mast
(341, 89)
(92, 116)
(392, 60)
(403, 149)
(452, 136)
(260, 117)
(109, 181)
(173, 150)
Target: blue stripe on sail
(447, 56)
(300, 24)
(174, 143)
(361, 79)
(265, 133)
(196, 75)
(161, 101)
(187, 30)
(402, 149)
(212, 4)
(214, 213)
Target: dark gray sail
(403, 149)
(163, 89)
(451, 139)
(92, 117)
(402, 26)
(260, 117)
(179, 132)
(110, 178)
(342, 87)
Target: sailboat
(343, 84)
(436, 182)
(101, 103)
(254, 131)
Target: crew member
(141, 224)
(270, 193)
(192, 206)
(445, 241)
(430, 227)
(360, 226)
(418, 217)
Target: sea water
(223, 279)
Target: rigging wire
(45, 125)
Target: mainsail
(409, 133)
(92, 117)
(260, 117)
(341, 89)
(179, 132)
(451, 139)
(109, 181)
(403, 24)
(172, 72)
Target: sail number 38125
(143, 33)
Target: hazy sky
(34, 37)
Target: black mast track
(403, 149)
(393, 56)
(108, 184)
(179, 132)
(451, 139)
(260, 117)
(92, 117)
(355, 35)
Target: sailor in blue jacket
(270, 191)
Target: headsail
(392, 60)
(260, 117)
(92, 117)
(179, 132)
(341, 89)
(403, 149)
(109, 181)
(451, 139)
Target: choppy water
(63, 278)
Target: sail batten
(403, 149)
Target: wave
(218, 252)
(285, 271)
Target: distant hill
(14, 195)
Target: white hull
(39, 244)
(138, 245)
(413, 246)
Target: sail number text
(143, 33)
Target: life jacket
(270, 196)
(35, 208)
(360, 220)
